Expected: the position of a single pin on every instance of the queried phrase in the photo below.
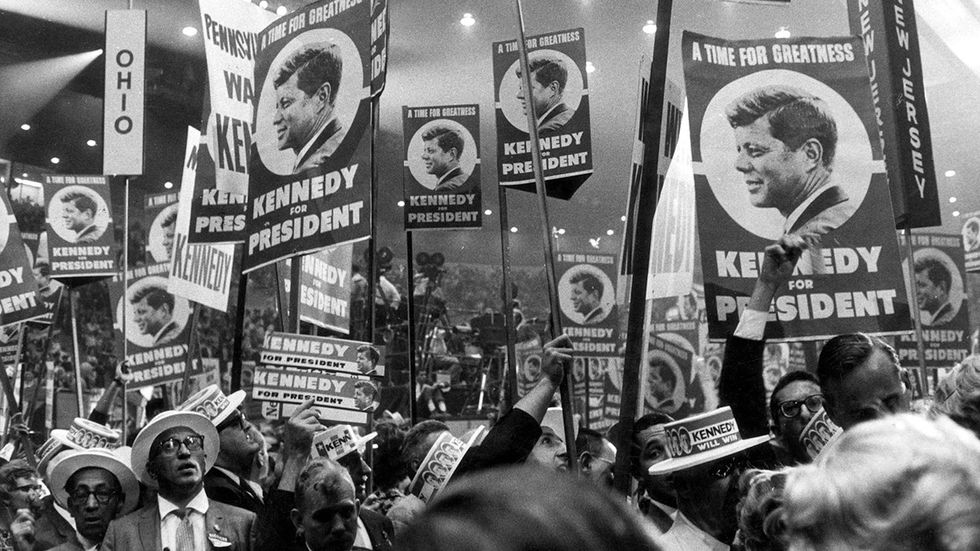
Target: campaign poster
(666, 375)
(823, 179)
(587, 301)
(310, 169)
(442, 167)
(200, 272)
(941, 294)
(230, 31)
(160, 222)
(560, 99)
(79, 228)
(156, 329)
(971, 241)
(322, 354)
(19, 297)
(294, 386)
(10, 336)
(327, 414)
(324, 287)
(528, 354)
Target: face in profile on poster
(160, 241)
(441, 157)
(154, 316)
(78, 215)
(586, 293)
(971, 235)
(793, 158)
(939, 288)
(308, 101)
(556, 90)
(665, 383)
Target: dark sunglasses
(193, 443)
(791, 408)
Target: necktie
(185, 530)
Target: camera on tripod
(430, 265)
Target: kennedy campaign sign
(19, 298)
(784, 140)
(79, 227)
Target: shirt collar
(550, 109)
(302, 152)
(199, 504)
(795, 215)
(256, 487)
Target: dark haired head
(313, 67)
(783, 382)
(446, 139)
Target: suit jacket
(453, 182)
(51, 529)
(276, 532)
(167, 333)
(324, 146)
(71, 545)
(140, 530)
(379, 529)
(595, 316)
(943, 315)
(88, 234)
(827, 212)
(221, 488)
(554, 121)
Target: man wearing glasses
(172, 454)
(20, 495)
(95, 486)
(229, 481)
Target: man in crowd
(20, 497)
(586, 293)
(229, 481)
(932, 284)
(153, 312)
(78, 211)
(366, 396)
(442, 148)
(548, 79)
(96, 486)
(597, 455)
(786, 140)
(306, 91)
(172, 454)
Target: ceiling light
(189, 31)
(561, 231)
(952, 199)
(622, 218)
(281, 10)
(401, 203)
(956, 213)
(589, 67)
(487, 212)
(949, 173)
(650, 27)
(264, 4)
(168, 184)
(25, 126)
(783, 32)
(23, 175)
(90, 143)
(513, 229)
(467, 20)
(55, 160)
(609, 232)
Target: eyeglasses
(193, 443)
(791, 408)
(232, 419)
(587, 460)
(81, 495)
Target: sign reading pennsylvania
(560, 99)
(19, 297)
(80, 238)
(941, 293)
(294, 386)
(310, 171)
(321, 353)
(784, 140)
(156, 325)
(442, 167)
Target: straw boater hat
(338, 441)
(440, 464)
(82, 434)
(553, 420)
(168, 420)
(213, 404)
(115, 461)
(702, 439)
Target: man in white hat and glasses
(707, 456)
(229, 482)
(172, 454)
(95, 486)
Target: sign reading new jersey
(442, 167)
(784, 140)
(80, 237)
(322, 354)
(941, 293)
(125, 67)
(310, 170)
(587, 300)
(560, 96)
(19, 298)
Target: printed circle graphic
(349, 95)
(156, 241)
(510, 85)
(565, 287)
(61, 221)
(852, 167)
(181, 313)
(467, 161)
(6, 220)
(673, 401)
(971, 234)
(957, 291)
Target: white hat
(115, 461)
(554, 421)
(819, 434)
(701, 439)
(438, 467)
(82, 434)
(168, 420)
(338, 441)
(213, 404)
